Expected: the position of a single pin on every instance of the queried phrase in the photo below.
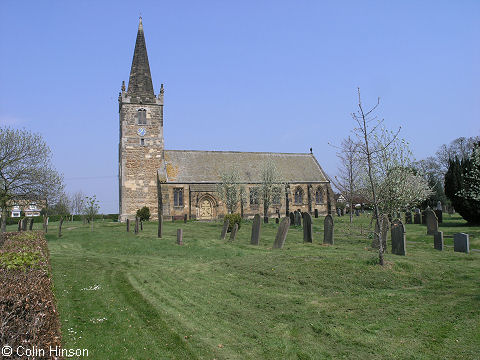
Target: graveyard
(125, 295)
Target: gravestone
(461, 242)
(417, 218)
(185, 218)
(256, 227)
(298, 218)
(128, 225)
(439, 214)
(424, 217)
(233, 233)
(385, 227)
(136, 225)
(357, 213)
(398, 238)
(338, 211)
(60, 227)
(31, 224)
(281, 233)
(316, 213)
(431, 221)
(438, 240)
(307, 228)
(408, 217)
(292, 218)
(179, 237)
(224, 229)
(439, 205)
(328, 230)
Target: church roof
(192, 166)
(140, 84)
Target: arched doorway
(205, 209)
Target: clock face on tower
(141, 132)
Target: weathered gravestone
(307, 228)
(224, 229)
(338, 211)
(292, 218)
(128, 225)
(316, 213)
(185, 218)
(328, 230)
(298, 218)
(417, 218)
(431, 222)
(408, 217)
(438, 240)
(461, 242)
(256, 227)
(439, 215)
(398, 238)
(179, 237)
(281, 233)
(233, 233)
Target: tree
(144, 213)
(91, 208)
(270, 180)
(26, 171)
(349, 172)
(77, 201)
(228, 188)
(62, 206)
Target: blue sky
(246, 75)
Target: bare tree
(228, 188)
(25, 170)
(270, 179)
(91, 208)
(77, 200)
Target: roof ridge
(240, 152)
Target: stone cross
(461, 242)
(398, 238)
(256, 227)
(438, 240)
(224, 229)
(431, 221)
(281, 233)
(233, 233)
(328, 230)
(307, 228)
(179, 237)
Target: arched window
(276, 195)
(319, 196)
(298, 195)
(142, 117)
(254, 196)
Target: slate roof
(193, 166)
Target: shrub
(232, 219)
(144, 214)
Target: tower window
(142, 142)
(142, 117)
(178, 197)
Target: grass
(123, 296)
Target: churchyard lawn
(127, 296)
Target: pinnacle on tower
(140, 84)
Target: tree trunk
(4, 220)
(92, 225)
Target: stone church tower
(141, 146)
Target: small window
(319, 196)
(298, 196)
(254, 196)
(178, 197)
(142, 142)
(142, 117)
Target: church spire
(140, 83)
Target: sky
(250, 75)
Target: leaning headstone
(307, 228)
(298, 218)
(179, 237)
(385, 227)
(461, 242)
(398, 238)
(128, 225)
(417, 218)
(256, 227)
(224, 229)
(281, 233)
(408, 217)
(292, 218)
(431, 221)
(60, 227)
(438, 240)
(439, 214)
(233, 233)
(185, 218)
(31, 224)
(316, 213)
(328, 230)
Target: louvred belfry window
(142, 117)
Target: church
(187, 180)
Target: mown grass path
(138, 297)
